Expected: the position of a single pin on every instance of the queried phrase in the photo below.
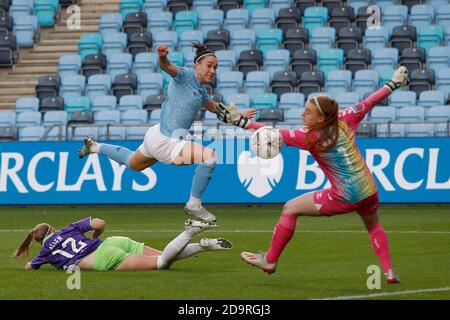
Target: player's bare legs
(380, 245)
(206, 159)
(139, 162)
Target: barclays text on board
(405, 169)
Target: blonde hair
(37, 234)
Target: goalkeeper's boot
(198, 226)
(259, 260)
(215, 244)
(200, 213)
(89, 142)
(391, 278)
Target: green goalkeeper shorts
(113, 251)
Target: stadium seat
(169, 38)
(342, 17)
(130, 102)
(256, 82)
(384, 59)
(203, 5)
(77, 104)
(394, 130)
(346, 99)
(104, 103)
(154, 6)
(119, 63)
(98, 85)
(438, 58)
(430, 36)
(242, 100)
(293, 115)
(276, 60)
(375, 38)
(252, 5)
(79, 133)
(236, 19)
(431, 98)
(303, 60)
(51, 104)
(90, 43)
(266, 100)
(310, 82)
(27, 104)
(111, 117)
(110, 23)
(45, 11)
(8, 134)
(437, 113)
(134, 117)
(187, 38)
(130, 6)
(268, 39)
(136, 133)
(81, 118)
(349, 38)
(322, 38)
(94, 64)
(150, 84)
(413, 58)
(262, 18)
(273, 115)
(403, 37)
(185, 21)
(315, 17)
(25, 29)
(443, 15)
(159, 21)
(385, 76)
(140, 42)
(441, 129)
(135, 22)
(338, 81)
(366, 81)
(155, 116)
(210, 20)
(154, 102)
(283, 82)
(230, 82)
(227, 60)
(52, 118)
(28, 119)
(361, 14)
(20, 8)
(107, 133)
(7, 119)
(69, 65)
(144, 62)
(402, 98)
(419, 130)
(394, 15)
(227, 5)
(32, 133)
(288, 18)
(443, 81)
(9, 54)
(244, 39)
(114, 43)
(295, 39)
(421, 14)
(217, 39)
(292, 100)
(357, 59)
(421, 80)
(210, 119)
(411, 114)
(383, 114)
(250, 60)
(330, 59)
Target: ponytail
(37, 234)
(201, 51)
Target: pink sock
(380, 245)
(284, 230)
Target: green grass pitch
(328, 257)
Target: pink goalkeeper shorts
(329, 206)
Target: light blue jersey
(185, 96)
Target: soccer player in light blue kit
(185, 96)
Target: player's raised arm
(164, 62)
(98, 225)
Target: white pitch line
(256, 231)
(386, 294)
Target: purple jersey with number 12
(67, 246)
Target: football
(267, 142)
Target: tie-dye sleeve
(294, 138)
(354, 115)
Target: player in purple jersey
(70, 246)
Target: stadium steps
(43, 58)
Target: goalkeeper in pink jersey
(329, 135)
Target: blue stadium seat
(169, 38)
(130, 102)
(20, 8)
(437, 3)
(241, 40)
(150, 84)
(72, 86)
(375, 38)
(136, 133)
(130, 6)
(365, 81)
(315, 17)
(385, 76)
(105, 117)
(347, 99)
(230, 82)
(155, 116)
(7, 119)
(292, 100)
(28, 119)
(151, 6)
(438, 113)
(119, 63)
(159, 21)
(394, 130)
(410, 114)
(189, 59)
(72, 104)
(402, 98)
(52, 118)
(443, 15)
(236, 19)
(330, 59)
(276, 60)
(144, 62)
(441, 130)
(262, 18)
(57, 133)
(384, 4)
(394, 15)
(338, 81)
(268, 39)
(419, 130)
(45, 11)
(24, 30)
(203, 5)
(438, 58)
(138, 116)
(185, 21)
(187, 38)
(90, 43)
(114, 43)
(33, 133)
(277, 5)
(80, 132)
(293, 115)
(421, 14)
(322, 38)
(104, 103)
(431, 98)
(98, 85)
(443, 81)
(257, 82)
(227, 60)
(252, 5)
(384, 59)
(266, 100)
(111, 133)
(242, 100)
(383, 114)
(211, 119)
(430, 36)
(27, 104)
(69, 65)
(210, 20)
(110, 23)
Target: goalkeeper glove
(399, 79)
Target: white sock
(95, 148)
(194, 202)
(174, 248)
(190, 250)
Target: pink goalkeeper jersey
(350, 178)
